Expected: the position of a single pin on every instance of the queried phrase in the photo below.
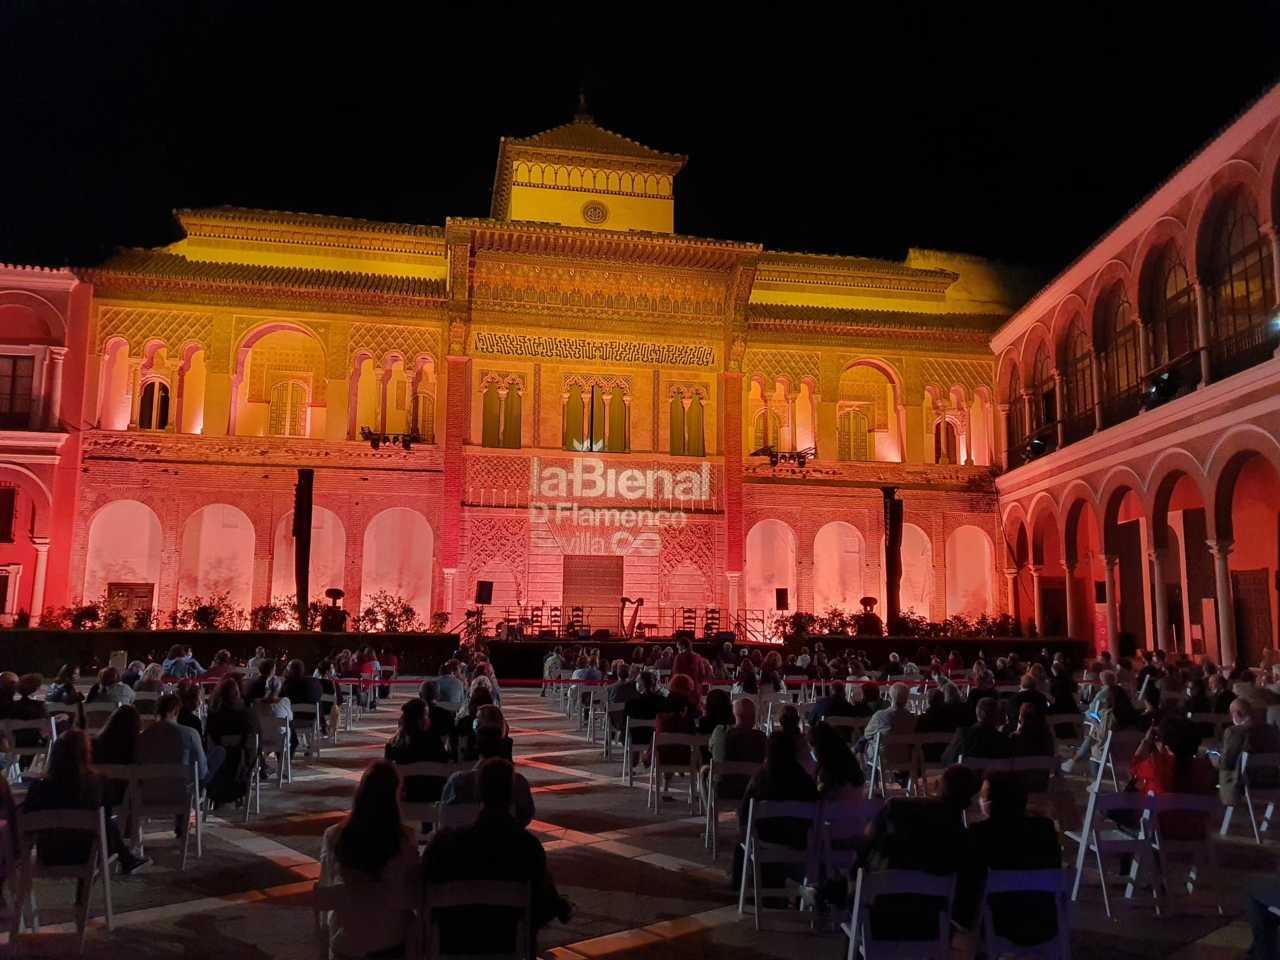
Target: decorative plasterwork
(605, 382)
(688, 391)
(838, 325)
(160, 449)
(580, 349)
(380, 340)
(502, 379)
(501, 541)
(311, 230)
(792, 364)
(175, 328)
(977, 480)
(693, 544)
(970, 374)
(507, 284)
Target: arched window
(288, 417)
(424, 417)
(16, 378)
(1169, 310)
(1239, 288)
(596, 417)
(854, 435)
(946, 442)
(1044, 401)
(1118, 355)
(501, 413)
(686, 426)
(153, 410)
(1017, 415)
(768, 432)
(1078, 387)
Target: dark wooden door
(595, 584)
(1252, 592)
(130, 597)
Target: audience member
(167, 741)
(443, 723)
(151, 681)
(108, 689)
(839, 777)
(491, 740)
(69, 783)
(495, 848)
(373, 854)
(1249, 733)
(414, 743)
(63, 688)
(1168, 761)
(983, 739)
(229, 718)
(115, 745)
(782, 778)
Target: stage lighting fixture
(1161, 389)
(1034, 447)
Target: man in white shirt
(167, 741)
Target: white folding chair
(758, 853)
(516, 897)
(419, 812)
(922, 768)
(96, 715)
(611, 731)
(694, 743)
(851, 728)
(1120, 746)
(306, 724)
(597, 708)
(96, 866)
(630, 748)
(871, 886)
(47, 730)
(330, 898)
(170, 792)
(714, 803)
(275, 739)
(843, 825)
(453, 815)
(1256, 796)
(1201, 854)
(253, 792)
(1055, 883)
(1095, 837)
(145, 702)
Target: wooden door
(595, 584)
(1252, 592)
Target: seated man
(1248, 733)
(494, 849)
(835, 704)
(491, 741)
(983, 739)
(167, 741)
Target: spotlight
(375, 441)
(1034, 447)
(406, 442)
(1161, 389)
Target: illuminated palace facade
(587, 394)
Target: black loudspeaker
(780, 598)
(726, 636)
(484, 591)
(1099, 591)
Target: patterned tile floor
(643, 885)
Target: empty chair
(866, 933)
(1198, 849)
(630, 745)
(306, 725)
(39, 744)
(1096, 837)
(843, 827)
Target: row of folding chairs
(434, 813)
(426, 900)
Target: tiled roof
(319, 221)
(172, 271)
(584, 136)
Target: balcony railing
(1122, 406)
(1078, 426)
(1240, 351)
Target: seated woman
(229, 717)
(70, 784)
(152, 680)
(1168, 761)
(679, 716)
(782, 778)
(115, 745)
(414, 743)
(63, 688)
(373, 855)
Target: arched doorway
(122, 562)
(217, 555)
(328, 554)
(399, 547)
(839, 559)
(770, 565)
(970, 563)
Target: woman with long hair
(63, 688)
(839, 776)
(115, 744)
(229, 717)
(70, 783)
(372, 854)
(413, 742)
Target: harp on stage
(629, 628)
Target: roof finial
(583, 115)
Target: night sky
(1019, 132)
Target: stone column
(608, 401)
(626, 425)
(1110, 562)
(1145, 362)
(1202, 332)
(1156, 555)
(1002, 434)
(1095, 374)
(1037, 595)
(449, 574)
(502, 415)
(1068, 576)
(588, 408)
(135, 392)
(380, 378)
(813, 419)
(1011, 581)
(1273, 237)
(791, 418)
(1059, 408)
(41, 545)
(686, 403)
(1027, 411)
(53, 402)
(1221, 550)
